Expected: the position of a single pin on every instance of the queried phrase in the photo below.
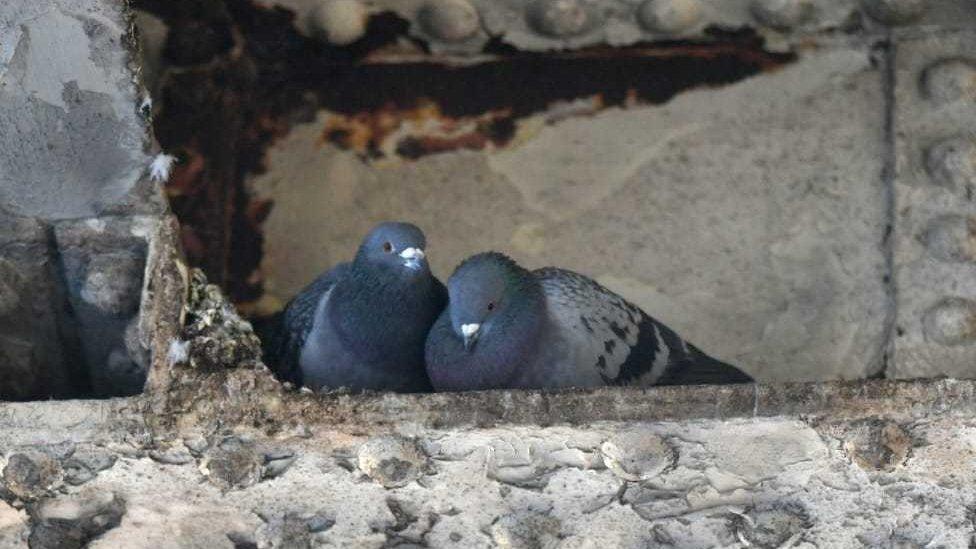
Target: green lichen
(218, 337)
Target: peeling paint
(413, 109)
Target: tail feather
(271, 331)
(697, 368)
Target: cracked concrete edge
(180, 398)
(164, 295)
(250, 398)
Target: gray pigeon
(507, 327)
(362, 325)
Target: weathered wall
(857, 469)
(749, 217)
(75, 200)
(792, 217)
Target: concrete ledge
(838, 400)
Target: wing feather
(296, 322)
(619, 342)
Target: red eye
(491, 306)
(387, 247)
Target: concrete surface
(847, 474)
(67, 96)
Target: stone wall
(76, 203)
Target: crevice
(73, 356)
(887, 51)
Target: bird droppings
(278, 467)
(877, 445)
(31, 475)
(171, 456)
(532, 530)
(85, 464)
(638, 455)
(216, 336)
(292, 529)
(234, 463)
(392, 461)
(72, 522)
(771, 525)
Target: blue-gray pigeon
(362, 325)
(508, 327)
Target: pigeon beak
(470, 333)
(413, 258)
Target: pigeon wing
(617, 341)
(296, 322)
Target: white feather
(160, 167)
(179, 351)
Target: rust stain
(413, 108)
(220, 109)
(415, 132)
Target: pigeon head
(396, 245)
(486, 293)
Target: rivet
(950, 80)
(781, 14)
(951, 163)
(449, 20)
(952, 321)
(951, 238)
(559, 18)
(895, 12)
(669, 15)
(340, 22)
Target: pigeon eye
(491, 305)
(387, 247)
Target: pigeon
(506, 327)
(362, 325)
